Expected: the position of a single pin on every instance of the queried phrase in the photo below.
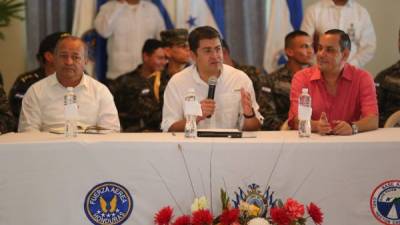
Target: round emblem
(385, 202)
(257, 200)
(108, 203)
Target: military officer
(7, 121)
(135, 95)
(178, 54)
(275, 87)
(388, 90)
(45, 56)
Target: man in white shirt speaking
(233, 105)
(43, 104)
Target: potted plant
(9, 9)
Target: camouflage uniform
(253, 73)
(274, 98)
(7, 121)
(388, 91)
(165, 77)
(138, 108)
(21, 85)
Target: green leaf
(10, 9)
(224, 199)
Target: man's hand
(323, 125)
(342, 128)
(207, 108)
(245, 98)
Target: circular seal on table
(385, 202)
(108, 203)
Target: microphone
(212, 82)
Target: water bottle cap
(304, 90)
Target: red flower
(280, 216)
(202, 217)
(229, 217)
(182, 220)
(163, 217)
(315, 213)
(294, 209)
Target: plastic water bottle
(70, 113)
(190, 126)
(305, 112)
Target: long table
(45, 178)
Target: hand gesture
(207, 108)
(245, 99)
(323, 125)
(342, 128)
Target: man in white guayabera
(43, 104)
(232, 106)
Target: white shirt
(227, 98)
(43, 105)
(352, 18)
(127, 27)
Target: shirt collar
(82, 84)
(346, 73)
(196, 75)
(316, 75)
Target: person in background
(388, 89)
(233, 105)
(177, 51)
(251, 71)
(45, 57)
(346, 15)
(43, 104)
(127, 24)
(8, 122)
(274, 93)
(343, 96)
(137, 92)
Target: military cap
(48, 44)
(174, 36)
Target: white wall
(386, 19)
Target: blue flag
(190, 14)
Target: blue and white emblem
(108, 203)
(385, 202)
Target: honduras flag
(190, 14)
(285, 16)
(84, 14)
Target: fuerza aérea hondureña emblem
(385, 202)
(108, 203)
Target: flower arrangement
(251, 208)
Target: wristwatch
(354, 127)
(250, 116)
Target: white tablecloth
(44, 178)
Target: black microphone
(212, 82)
